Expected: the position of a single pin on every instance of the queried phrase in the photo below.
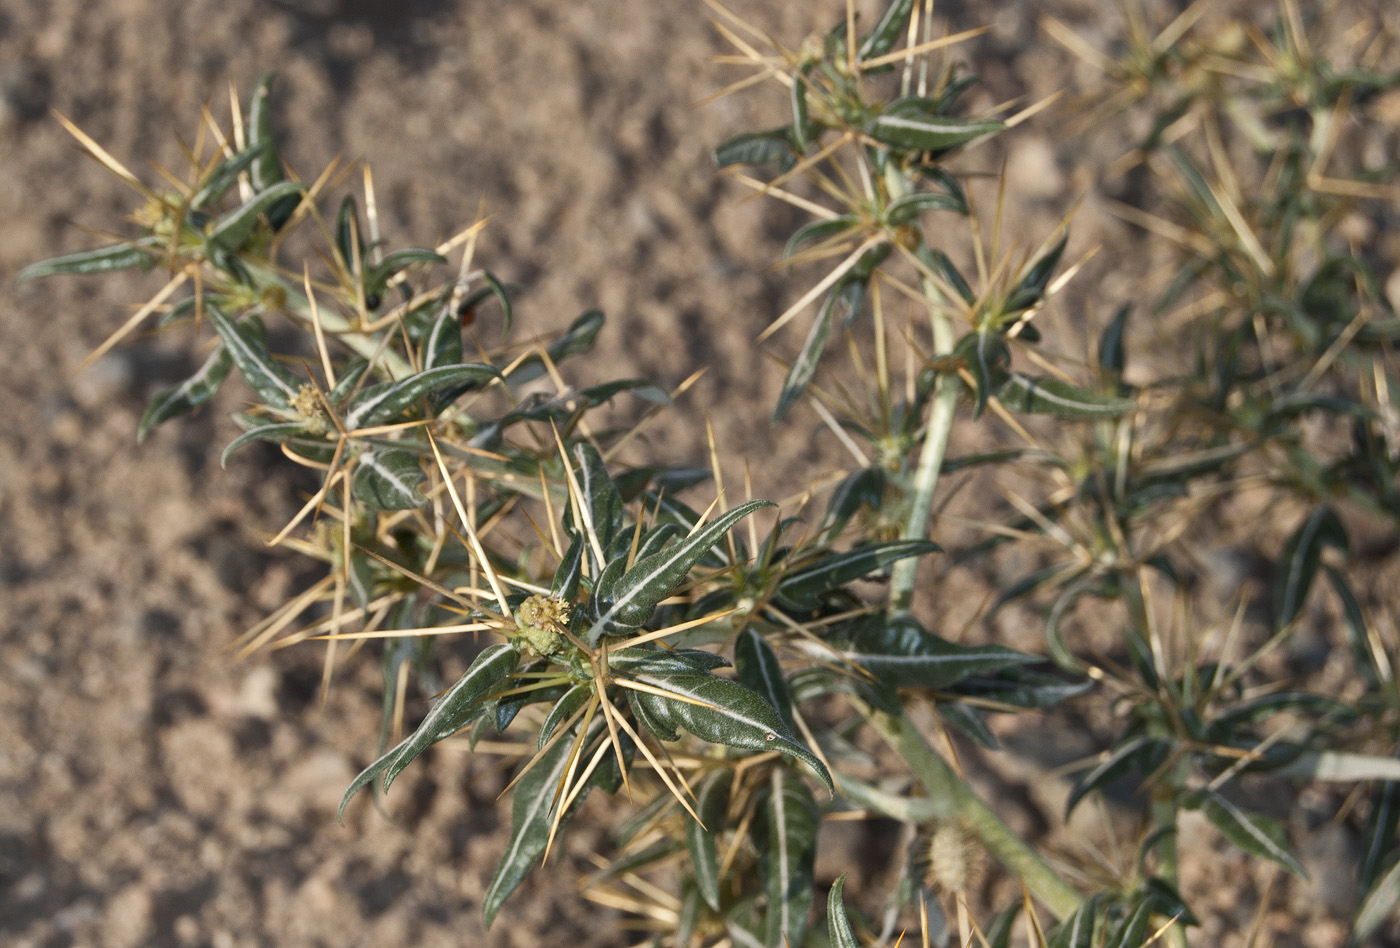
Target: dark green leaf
(267, 170)
(276, 432)
(804, 367)
(388, 479)
(224, 174)
(864, 488)
(274, 383)
(970, 721)
(893, 23)
(563, 709)
(579, 337)
(381, 403)
(804, 587)
(232, 230)
(1254, 833)
(788, 857)
(801, 125)
(905, 209)
(710, 802)
(1112, 352)
(1051, 396)
(629, 602)
(378, 276)
(569, 571)
(1300, 559)
(361, 578)
(101, 260)
(898, 652)
(532, 809)
(819, 229)
(1031, 289)
(758, 669)
(726, 713)
(1224, 727)
(838, 926)
(1131, 930)
(457, 707)
(366, 777)
(443, 344)
(919, 132)
(1378, 906)
(603, 504)
(757, 148)
(189, 394)
(1140, 754)
(1077, 931)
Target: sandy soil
(151, 791)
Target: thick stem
(950, 798)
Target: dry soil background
(153, 793)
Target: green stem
(950, 798)
(936, 432)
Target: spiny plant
(486, 495)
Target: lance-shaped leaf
(122, 256)
(758, 668)
(366, 777)
(758, 148)
(804, 367)
(532, 809)
(787, 857)
(1031, 289)
(603, 502)
(987, 356)
(1140, 754)
(819, 229)
(1051, 396)
(864, 488)
(278, 432)
(268, 170)
(273, 382)
(189, 394)
(443, 343)
(804, 587)
(1130, 931)
(1299, 562)
(721, 711)
(1224, 727)
(888, 29)
(898, 652)
(231, 231)
(1254, 833)
(381, 403)
(457, 707)
(224, 174)
(905, 209)
(563, 709)
(838, 926)
(1112, 350)
(378, 276)
(916, 131)
(627, 603)
(1379, 836)
(1377, 906)
(710, 801)
(1023, 687)
(579, 337)
(388, 479)
(1077, 931)
(569, 571)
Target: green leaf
(189, 394)
(838, 926)
(864, 488)
(366, 777)
(603, 502)
(892, 25)
(898, 652)
(759, 670)
(224, 174)
(350, 234)
(378, 276)
(1379, 835)
(231, 231)
(788, 859)
(579, 337)
(567, 574)
(1140, 754)
(532, 809)
(1112, 352)
(1224, 727)
(1377, 906)
(361, 578)
(1254, 833)
(563, 709)
(1131, 930)
(920, 132)
(710, 802)
(143, 252)
(456, 708)
(1301, 556)
(818, 229)
(905, 209)
(267, 170)
(1051, 396)
(970, 721)
(1031, 289)
(804, 587)
(278, 432)
(275, 384)
(629, 602)
(442, 345)
(804, 367)
(1077, 931)
(388, 479)
(726, 713)
(757, 148)
(381, 403)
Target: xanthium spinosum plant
(728, 668)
